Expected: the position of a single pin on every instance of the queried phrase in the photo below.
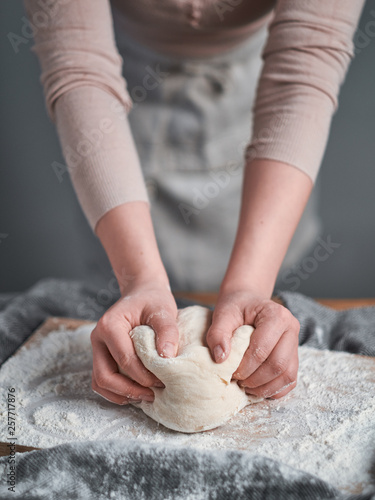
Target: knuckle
(144, 377)
(105, 324)
(279, 366)
(102, 381)
(272, 310)
(144, 381)
(95, 336)
(268, 308)
(296, 325)
(289, 377)
(260, 355)
(282, 312)
(125, 359)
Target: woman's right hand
(149, 304)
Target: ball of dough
(199, 394)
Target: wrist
(273, 199)
(257, 288)
(127, 235)
(154, 279)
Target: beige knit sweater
(305, 61)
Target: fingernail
(159, 384)
(219, 354)
(134, 401)
(168, 350)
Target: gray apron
(191, 121)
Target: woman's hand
(149, 304)
(270, 364)
(273, 199)
(128, 238)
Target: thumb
(219, 336)
(166, 334)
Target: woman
(192, 70)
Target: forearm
(127, 235)
(273, 199)
(87, 97)
(99, 150)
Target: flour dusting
(326, 426)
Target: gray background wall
(44, 233)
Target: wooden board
(339, 304)
(264, 420)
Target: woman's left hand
(270, 364)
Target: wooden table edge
(209, 298)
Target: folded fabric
(134, 470)
(351, 330)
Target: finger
(106, 378)
(269, 392)
(279, 386)
(166, 333)
(270, 324)
(114, 398)
(111, 396)
(120, 347)
(220, 333)
(278, 362)
(283, 391)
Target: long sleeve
(87, 98)
(306, 58)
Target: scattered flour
(326, 426)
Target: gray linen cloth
(124, 469)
